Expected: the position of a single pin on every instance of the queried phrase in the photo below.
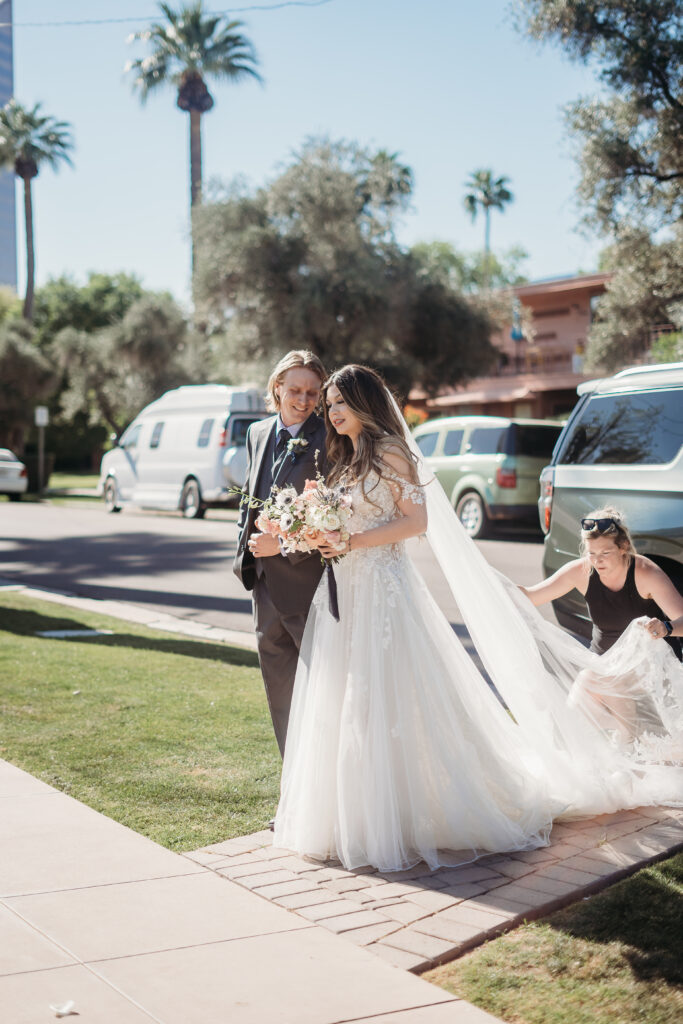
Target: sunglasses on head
(601, 525)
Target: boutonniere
(296, 446)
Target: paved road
(170, 564)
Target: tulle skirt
(397, 750)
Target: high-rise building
(8, 222)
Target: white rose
(331, 521)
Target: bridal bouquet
(301, 521)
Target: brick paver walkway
(419, 918)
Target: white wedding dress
(397, 751)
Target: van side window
(453, 442)
(427, 443)
(131, 437)
(205, 434)
(631, 429)
(155, 439)
(486, 440)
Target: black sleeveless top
(612, 610)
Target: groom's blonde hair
(297, 357)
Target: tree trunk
(195, 171)
(487, 247)
(195, 157)
(30, 257)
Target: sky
(450, 85)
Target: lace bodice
(378, 572)
(374, 501)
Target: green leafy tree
(114, 371)
(630, 142)
(668, 348)
(466, 271)
(29, 139)
(312, 260)
(188, 48)
(10, 304)
(26, 379)
(102, 301)
(486, 193)
(79, 328)
(631, 139)
(644, 295)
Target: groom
(281, 451)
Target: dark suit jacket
(291, 579)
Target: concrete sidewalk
(95, 914)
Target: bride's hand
(333, 550)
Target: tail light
(223, 438)
(24, 471)
(506, 477)
(545, 505)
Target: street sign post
(42, 418)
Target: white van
(183, 451)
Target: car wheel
(191, 501)
(471, 512)
(14, 497)
(111, 496)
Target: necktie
(281, 447)
(283, 437)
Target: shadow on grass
(643, 912)
(28, 623)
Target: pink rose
(266, 525)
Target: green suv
(488, 465)
(622, 446)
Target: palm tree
(489, 194)
(186, 49)
(27, 140)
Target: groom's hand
(262, 545)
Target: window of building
(539, 314)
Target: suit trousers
(278, 637)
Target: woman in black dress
(619, 585)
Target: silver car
(622, 446)
(13, 475)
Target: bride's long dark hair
(368, 398)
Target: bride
(397, 749)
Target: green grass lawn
(69, 481)
(169, 736)
(616, 958)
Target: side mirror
(114, 438)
